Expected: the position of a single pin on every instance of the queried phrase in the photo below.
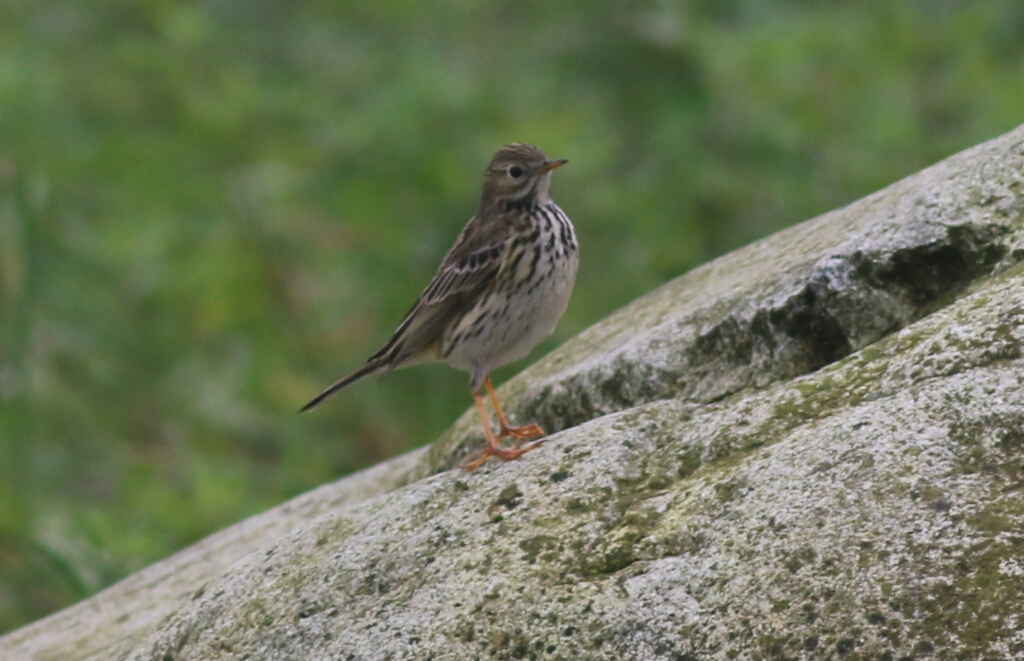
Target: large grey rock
(810, 448)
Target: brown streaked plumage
(501, 289)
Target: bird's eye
(515, 172)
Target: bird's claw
(500, 453)
(520, 434)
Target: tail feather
(370, 367)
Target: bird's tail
(370, 367)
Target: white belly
(516, 320)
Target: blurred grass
(208, 211)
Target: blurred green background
(210, 210)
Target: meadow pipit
(500, 290)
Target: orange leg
(492, 449)
(519, 434)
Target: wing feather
(464, 274)
(453, 289)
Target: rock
(810, 448)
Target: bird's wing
(465, 273)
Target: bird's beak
(548, 166)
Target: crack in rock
(842, 303)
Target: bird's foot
(520, 434)
(501, 453)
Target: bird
(500, 290)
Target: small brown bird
(500, 290)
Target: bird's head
(519, 174)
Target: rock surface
(810, 448)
